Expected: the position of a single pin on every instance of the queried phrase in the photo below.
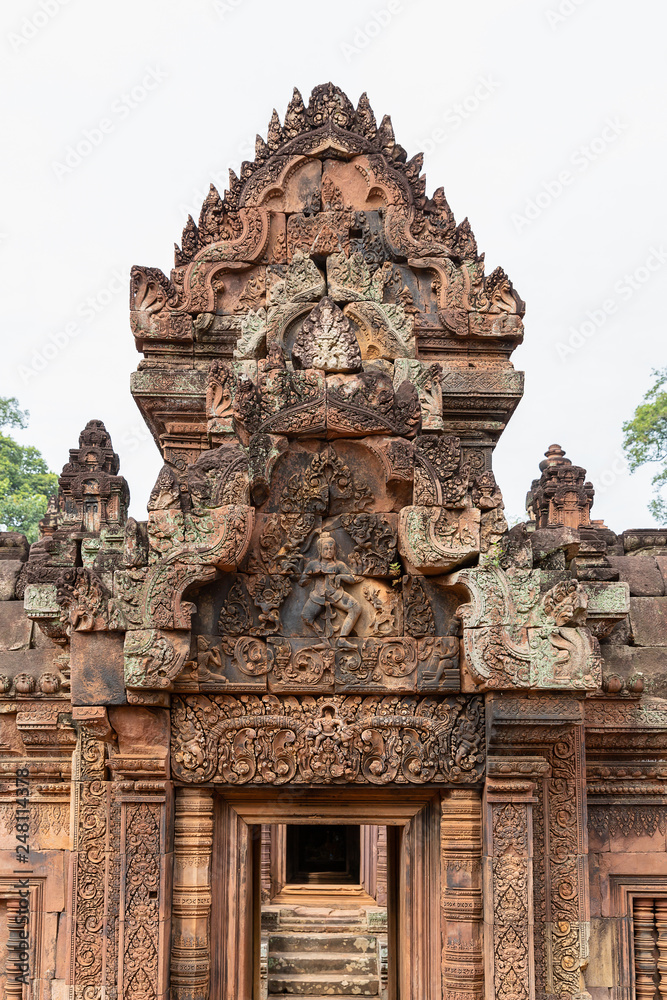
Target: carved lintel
(328, 740)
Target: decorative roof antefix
(91, 494)
(330, 208)
(329, 126)
(561, 496)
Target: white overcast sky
(543, 119)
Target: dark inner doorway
(322, 855)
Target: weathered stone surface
(13, 545)
(327, 341)
(436, 540)
(547, 541)
(661, 562)
(9, 574)
(627, 662)
(30, 673)
(97, 669)
(645, 541)
(325, 596)
(15, 626)
(648, 620)
(642, 573)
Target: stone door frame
(416, 904)
(217, 865)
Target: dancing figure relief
(327, 574)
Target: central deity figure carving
(328, 593)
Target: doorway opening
(274, 937)
(324, 910)
(322, 855)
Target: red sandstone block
(97, 668)
(648, 618)
(642, 573)
(15, 628)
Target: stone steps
(361, 943)
(323, 986)
(314, 963)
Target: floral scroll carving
(334, 739)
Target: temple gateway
(322, 725)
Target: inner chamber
(324, 910)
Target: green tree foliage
(646, 440)
(25, 480)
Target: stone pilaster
(552, 726)
(145, 889)
(508, 876)
(95, 873)
(144, 795)
(566, 866)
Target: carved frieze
(328, 739)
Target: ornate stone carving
(419, 619)
(326, 341)
(91, 494)
(515, 637)
(141, 897)
(560, 496)
(511, 900)
(436, 540)
(627, 820)
(330, 739)
(461, 874)
(193, 840)
(95, 944)
(327, 577)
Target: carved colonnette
(140, 768)
(191, 901)
(462, 956)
